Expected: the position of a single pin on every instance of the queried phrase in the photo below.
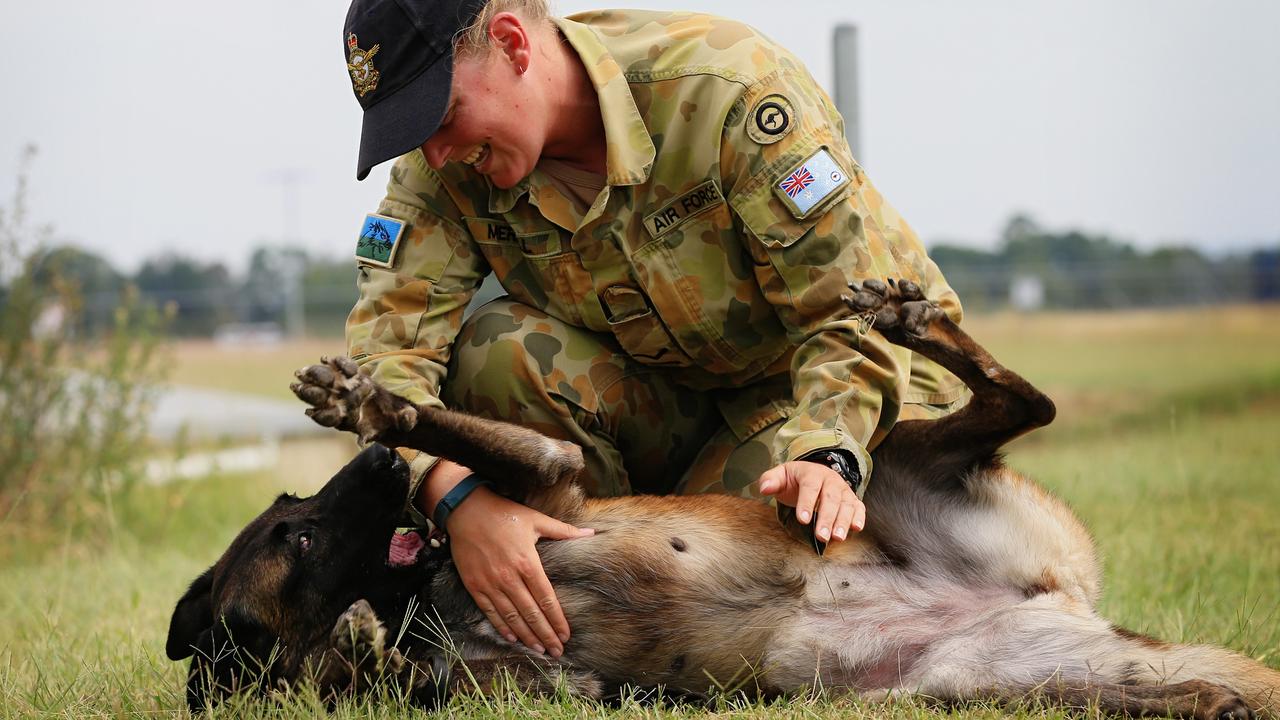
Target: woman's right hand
(493, 540)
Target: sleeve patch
(807, 185)
(379, 239)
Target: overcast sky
(182, 125)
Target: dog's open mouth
(407, 547)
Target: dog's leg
(357, 657)
(1003, 407)
(1049, 648)
(524, 673)
(514, 457)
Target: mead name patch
(701, 198)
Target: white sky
(167, 124)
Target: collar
(630, 152)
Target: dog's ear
(234, 654)
(192, 616)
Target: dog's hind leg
(1048, 648)
(1003, 406)
(513, 457)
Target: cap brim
(405, 119)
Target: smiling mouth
(477, 156)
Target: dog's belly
(868, 627)
(678, 591)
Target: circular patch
(771, 119)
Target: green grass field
(1166, 444)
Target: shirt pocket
(534, 268)
(638, 328)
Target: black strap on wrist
(843, 462)
(454, 498)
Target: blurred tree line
(1031, 267)
(206, 296)
(1076, 270)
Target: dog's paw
(360, 639)
(340, 397)
(897, 305)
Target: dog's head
(269, 602)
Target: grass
(1165, 445)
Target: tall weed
(73, 408)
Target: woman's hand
(811, 487)
(492, 540)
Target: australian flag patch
(811, 182)
(379, 239)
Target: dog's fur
(970, 582)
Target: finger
(840, 529)
(807, 497)
(552, 529)
(829, 499)
(536, 619)
(545, 595)
(490, 611)
(511, 615)
(773, 480)
(859, 516)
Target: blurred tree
(202, 293)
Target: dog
(970, 583)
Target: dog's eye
(304, 541)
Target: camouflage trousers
(640, 430)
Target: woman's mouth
(477, 157)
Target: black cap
(400, 57)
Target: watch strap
(454, 498)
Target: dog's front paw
(340, 397)
(360, 640)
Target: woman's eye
(304, 541)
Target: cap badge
(360, 64)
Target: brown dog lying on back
(972, 582)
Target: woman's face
(495, 122)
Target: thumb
(773, 480)
(553, 529)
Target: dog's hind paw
(341, 397)
(898, 305)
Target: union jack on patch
(796, 181)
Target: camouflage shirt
(733, 217)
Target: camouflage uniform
(690, 322)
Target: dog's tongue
(404, 549)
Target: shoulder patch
(811, 182)
(771, 119)
(703, 197)
(379, 239)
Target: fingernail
(556, 652)
(539, 649)
(841, 533)
(564, 637)
(586, 532)
(510, 638)
(824, 533)
(803, 515)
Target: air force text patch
(379, 239)
(810, 183)
(703, 197)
